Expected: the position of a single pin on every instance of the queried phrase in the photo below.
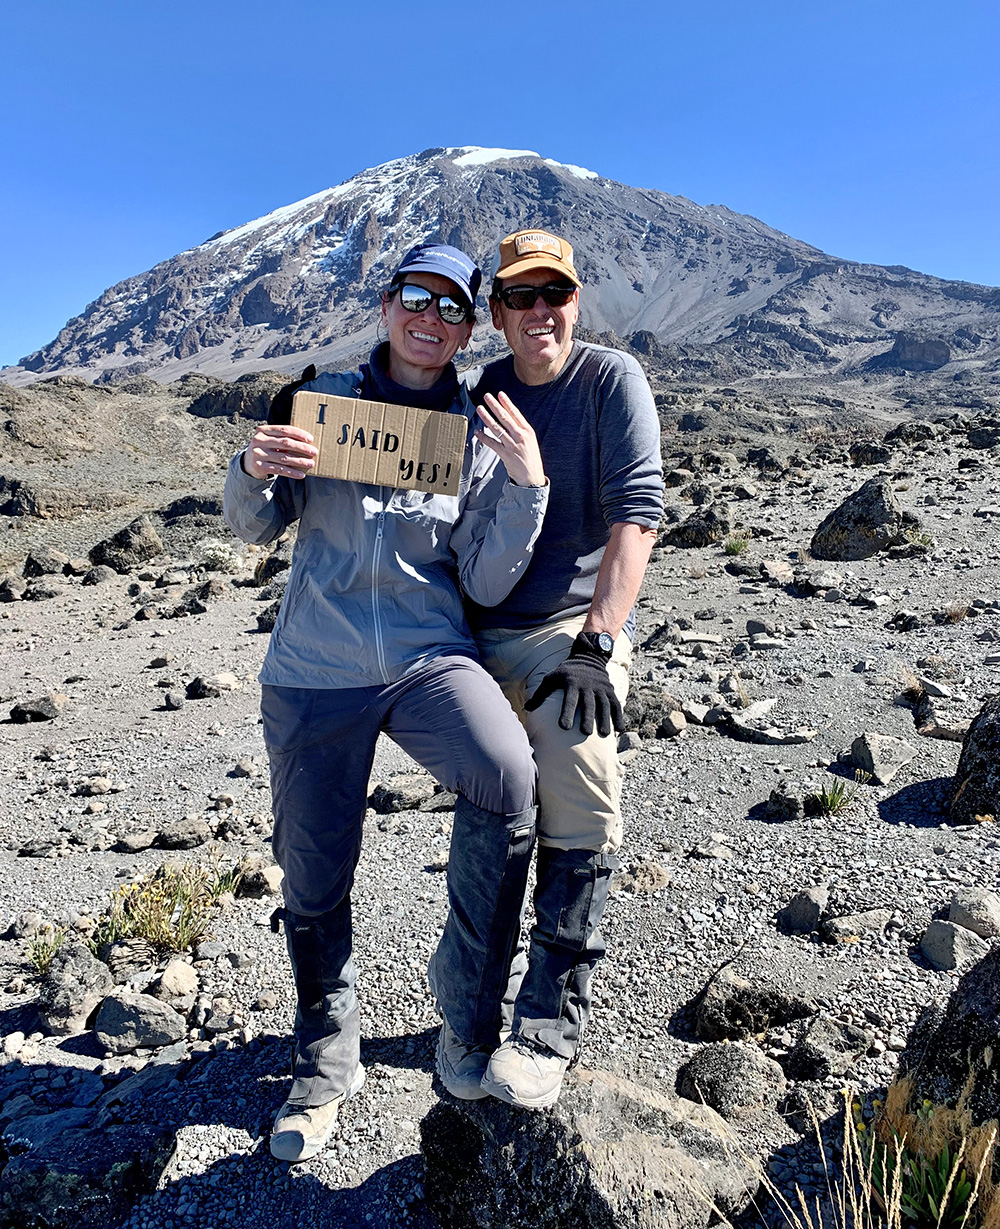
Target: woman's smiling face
(421, 345)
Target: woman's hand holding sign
(279, 451)
(512, 438)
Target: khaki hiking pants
(579, 778)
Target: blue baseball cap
(444, 260)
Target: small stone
(804, 912)
(643, 879)
(261, 879)
(73, 985)
(209, 949)
(672, 725)
(187, 833)
(851, 927)
(135, 842)
(176, 981)
(881, 755)
(402, 792)
(128, 1021)
(173, 700)
(827, 1048)
(267, 1000)
(40, 708)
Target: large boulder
(73, 986)
(947, 1084)
(128, 1021)
(130, 547)
(610, 1155)
(731, 1008)
(914, 353)
(731, 1078)
(702, 528)
(868, 521)
(250, 396)
(977, 779)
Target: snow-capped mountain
(302, 283)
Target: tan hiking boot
(523, 1074)
(300, 1133)
(460, 1066)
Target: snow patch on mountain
(476, 155)
(276, 216)
(580, 172)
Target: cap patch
(537, 242)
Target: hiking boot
(300, 1132)
(524, 1074)
(460, 1066)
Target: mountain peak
(302, 283)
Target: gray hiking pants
(452, 718)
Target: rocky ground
(758, 668)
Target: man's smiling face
(540, 337)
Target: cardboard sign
(388, 445)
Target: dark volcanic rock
(977, 779)
(40, 708)
(84, 1179)
(609, 1155)
(732, 1008)
(129, 547)
(867, 522)
(73, 986)
(867, 453)
(248, 397)
(45, 561)
(914, 353)
(731, 1077)
(701, 528)
(826, 1048)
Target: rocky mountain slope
(698, 285)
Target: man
(559, 643)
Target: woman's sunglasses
(523, 298)
(416, 299)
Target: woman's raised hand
(279, 451)
(513, 440)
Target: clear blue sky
(131, 131)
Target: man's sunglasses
(523, 298)
(416, 299)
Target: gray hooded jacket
(377, 576)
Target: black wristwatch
(598, 642)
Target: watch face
(605, 643)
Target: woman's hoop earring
(378, 333)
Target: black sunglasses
(523, 298)
(416, 299)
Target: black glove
(280, 413)
(583, 677)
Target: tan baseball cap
(536, 249)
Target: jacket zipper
(376, 613)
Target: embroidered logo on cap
(537, 242)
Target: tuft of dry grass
(169, 909)
(43, 946)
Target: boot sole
(315, 1146)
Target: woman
(371, 638)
